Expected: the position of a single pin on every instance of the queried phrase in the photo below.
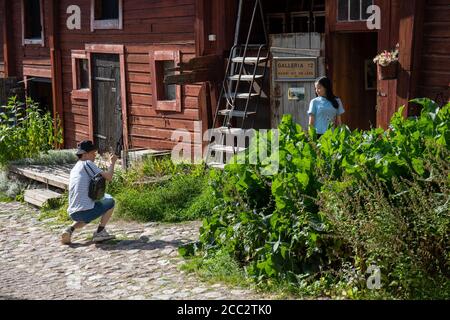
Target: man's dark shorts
(100, 209)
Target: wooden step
(237, 114)
(39, 197)
(245, 77)
(249, 60)
(56, 176)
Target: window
(106, 14)
(166, 97)
(168, 92)
(353, 10)
(106, 10)
(82, 73)
(298, 16)
(33, 31)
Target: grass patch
(56, 210)
(183, 198)
(159, 190)
(5, 198)
(220, 267)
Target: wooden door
(107, 107)
(292, 94)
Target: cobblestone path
(143, 265)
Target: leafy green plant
(25, 131)
(279, 228)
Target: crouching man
(82, 209)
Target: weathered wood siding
(434, 80)
(29, 60)
(2, 64)
(147, 25)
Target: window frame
(349, 20)
(112, 24)
(78, 93)
(33, 41)
(157, 82)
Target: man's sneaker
(102, 236)
(66, 236)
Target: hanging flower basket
(388, 72)
(387, 63)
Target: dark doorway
(354, 77)
(40, 91)
(107, 107)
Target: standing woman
(326, 109)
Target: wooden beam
(197, 63)
(55, 61)
(410, 35)
(200, 32)
(7, 40)
(197, 76)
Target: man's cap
(85, 147)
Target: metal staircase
(241, 91)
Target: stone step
(39, 197)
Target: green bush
(10, 189)
(282, 227)
(26, 131)
(51, 157)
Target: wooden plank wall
(30, 59)
(351, 50)
(434, 80)
(280, 104)
(148, 25)
(2, 65)
(388, 37)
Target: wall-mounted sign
(296, 93)
(295, 68)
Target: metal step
(39, 197)
(249, 60)
(227, 149)
(245, 77)
(242, 95)
(237, 114)
(233, 131)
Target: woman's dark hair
(326, 83)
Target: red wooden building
(104, 73)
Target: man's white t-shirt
(79, 186)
